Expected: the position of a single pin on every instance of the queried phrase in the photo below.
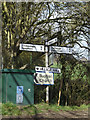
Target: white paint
(31, 47)
(49, 69)
(57, 49)
(51, 41)
(44, 78)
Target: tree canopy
(36, 22)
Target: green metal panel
(3, 88)
(0, 86)
(17, 71)
(14, 78)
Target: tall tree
(36, 22)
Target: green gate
(18, 86)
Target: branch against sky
(36, 22)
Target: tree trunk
(60, 92)
(66, 103)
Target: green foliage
(56, 76)
(75, 91)
(75, 77)
(79, 72)
(10, 109)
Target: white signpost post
(46, 77)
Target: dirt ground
(54, 115)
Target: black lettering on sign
(41, 47)
(41, 80)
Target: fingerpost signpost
(44, 75)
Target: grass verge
(10, 109)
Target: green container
(18, 86)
